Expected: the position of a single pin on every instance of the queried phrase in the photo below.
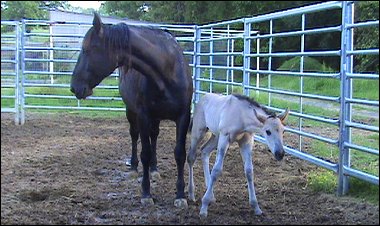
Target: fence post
(196, 62)
(246, 57)
(22, 87)
(51, 53)
(17, 72)
(345, 92)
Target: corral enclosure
(335, 130)
(70, 169)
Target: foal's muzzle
(279, 155)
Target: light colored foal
(231, 118)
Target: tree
(367, 37)
(17, 10)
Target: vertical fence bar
(22, 87)
(346, 92)
(51, 53)
(196, 60)
(258, 65)
(17, 71)
(211, 58)
(301, 78)
(246, 58)
(270, 61)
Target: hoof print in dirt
(147, 202)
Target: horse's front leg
(155, 130)
(223, 144)
(146, 155)
(182, 125)
(246, 144)
(134, 133)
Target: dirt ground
(66, 169)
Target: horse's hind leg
(155, 130)
(182, 125)
(134, 132)
(246, 144)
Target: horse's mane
(117, 35)
(256, 104)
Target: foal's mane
(254, 103)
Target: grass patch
(327, 181)
(323, 181)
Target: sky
(86, 4)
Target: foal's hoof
(147, 201)
(181, 203)
(203, 215)
(192, 197)
(155, 175)
(258, 212)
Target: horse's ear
(260, 117)
(284, 115)
(97, 23)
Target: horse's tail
(190, 125)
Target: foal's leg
(182, 125)
(155, 130)
(223, 144)
(134, 133)
(197, 132)
(246, 144)
(211, 144)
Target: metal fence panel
(227, 57)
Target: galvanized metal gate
(226, 57)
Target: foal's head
(272, 130)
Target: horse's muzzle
(81, 92)
(279, 155)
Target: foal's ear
(260, 117)
(284, 115)
(97, 23)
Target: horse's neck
(149, 55)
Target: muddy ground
(66, 169)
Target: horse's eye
(268, 132)
(86, 51)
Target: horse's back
(141, 94)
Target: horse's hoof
(258, 212)
(213, 200)
(203, 215)
(155, 175)
(181, 203)
(147, 201)
(192, 197)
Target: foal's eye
(268, 132)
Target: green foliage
(17, 10)
(367, 37)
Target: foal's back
(224, 113)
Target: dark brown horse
(155, 84)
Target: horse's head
(272, 130)
(94, 63)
